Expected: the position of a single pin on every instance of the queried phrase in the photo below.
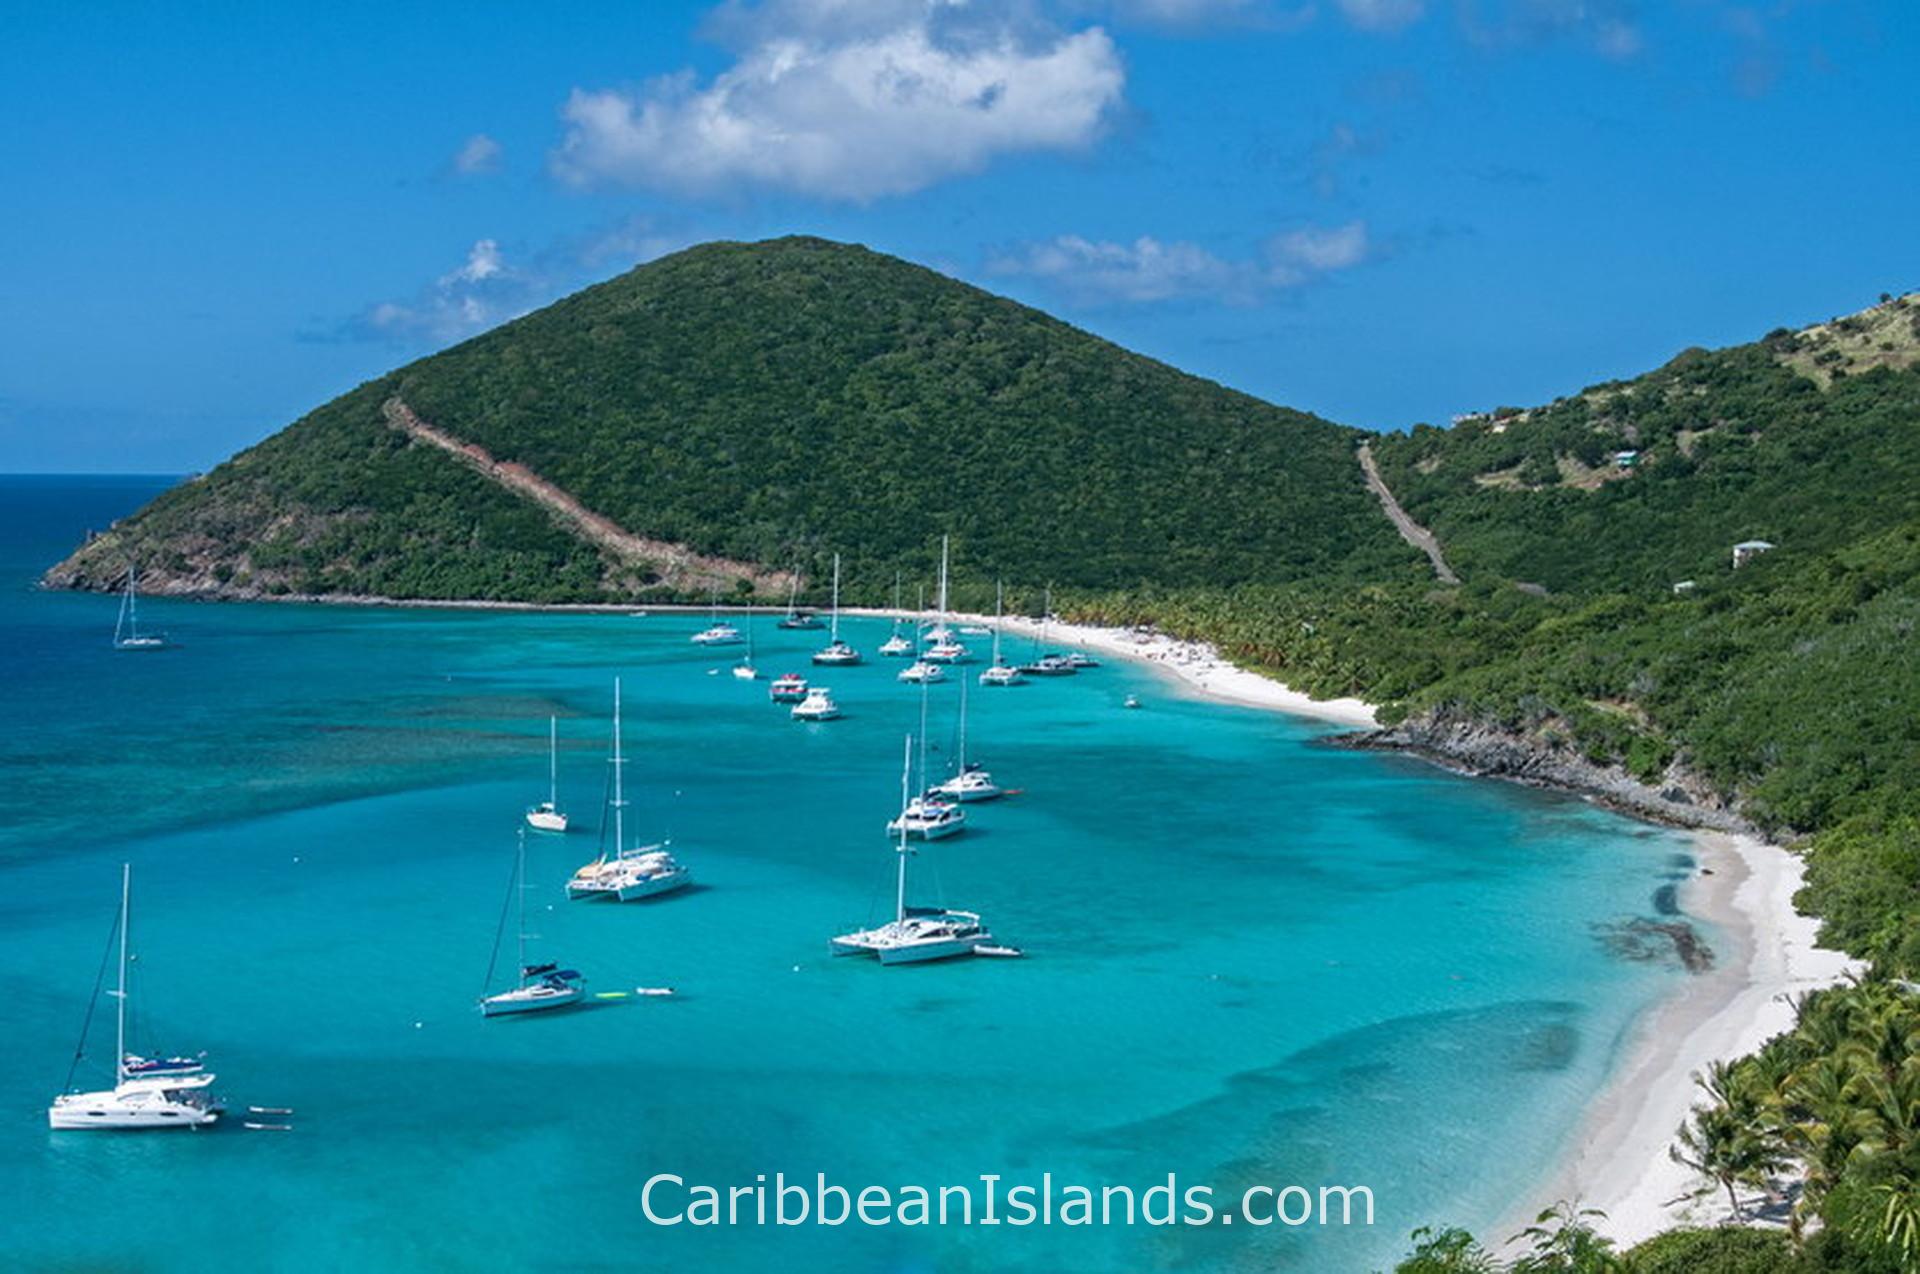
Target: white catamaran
(126, 629)
(547, 816)
(916, 935)
(540, 986)
(161, 1092)
(836, 653)
(627, 874)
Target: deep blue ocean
(1250, 959)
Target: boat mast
(943, 586)
(923, 734)
(793, 590)
(961, 760)
(999, 598)
(120, 994)
(833, 638)
(553, 761)
(896, 604)
(900, 884)
(520, 888)
(619, 786)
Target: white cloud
(1314, 251)
(477, 155)
(1148, 270)
(850, 99)
(1604, 25)
(1382, 15)
(488, 288)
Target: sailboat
(1048, 664)
(547, 816)
(836, 652)
(167, 1092)
(627, 874)
(915, 935)
(540, 986)
(797, 618)
(944, 650)
(126, 629)
(896, 646)
(718, 632)
(928, 816)
(971, 782)
(745, 670)
(1001, 673)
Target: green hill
(768, 404)
(1646, 482)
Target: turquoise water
(1251, 959)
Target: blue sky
(217, 217)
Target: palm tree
(1894, 1222)
(1564, 1242)
(1449, 1251)
(1733, 1141)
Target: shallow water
(1252, 960)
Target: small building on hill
(1625, 459)
(1746, 550)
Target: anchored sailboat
(915, 935)
(718, 631)
(1001, 673)
(540, 986)
(547, 816)
(166, 1092)
(928, 816)
(896, 646)
(797, 618)
(836, 652)
(626, 874)
(745, 670)
(971, 782)
(126, 629)
(944, 650)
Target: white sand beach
(1618, 1160)
(1194, 663)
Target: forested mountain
(770, 404)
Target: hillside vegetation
(773, 403)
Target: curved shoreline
(1616, 1158)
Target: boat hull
(924, 952)
(654, 887)
(530, 1000)
(545, 822)
(128, 1111)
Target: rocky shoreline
(1485, 749)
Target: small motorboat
(788, 687)
(922, 671)
(817, 706)
(1132, 701)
